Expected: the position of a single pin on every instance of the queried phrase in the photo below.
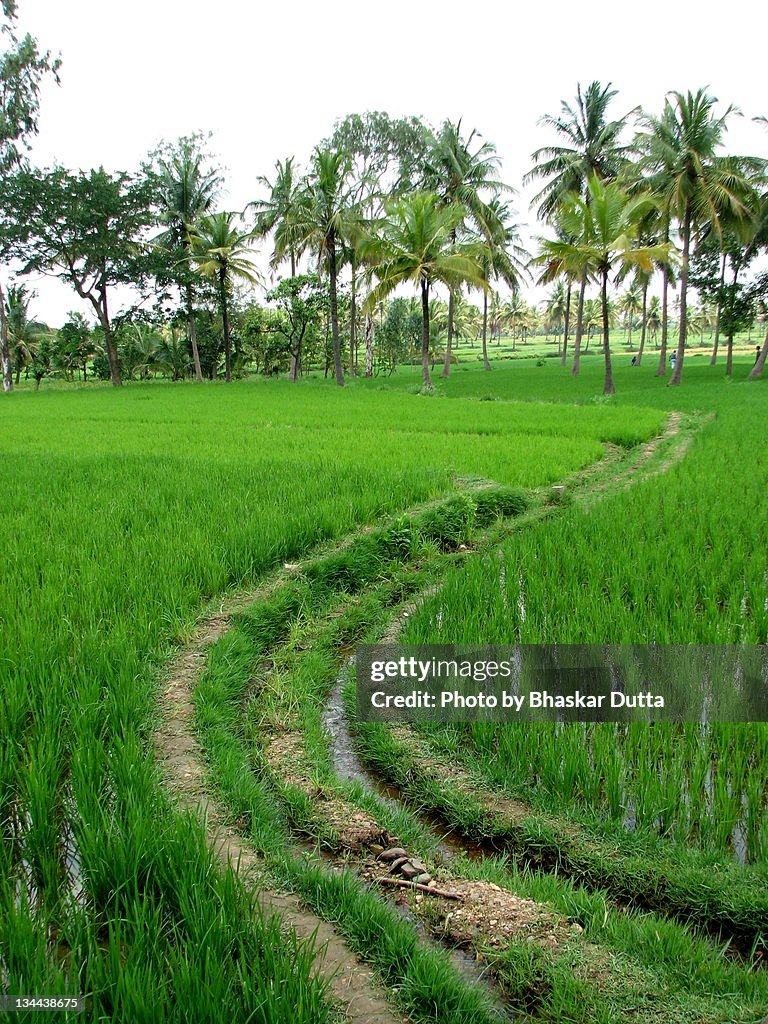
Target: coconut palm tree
(696, 187)
(187, 189)
(556, 308)
(631, 304)
(590, 145)
(220, 250)
(414, 243)
(462, 176)
(326, 210)
(281, 213)
(501, 257)
(23, 334)
(606, 224)
(653, 316)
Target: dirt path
(352, 984)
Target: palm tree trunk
(757, 369)
(643, 325)
(449, 343)
(426, 379)
(609, 388)
(369, 346)
(334, 310)
(225, 325)
(678, 373)
(352, 325)
(486, 364)
(729, 358)
(5, 351)
(192, 328)
(579, 327)
(661, 369)
(566, 324)
(716, 343)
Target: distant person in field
(673, 360)
(757, 353)
(634, 360)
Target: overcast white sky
(269, 79)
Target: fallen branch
(430, 889)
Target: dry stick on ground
(405, 884)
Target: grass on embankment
(648, 964)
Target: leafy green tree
(185, 187)
(415, 244)
(88, 229)
(735, 300)
(300, 303)
(23, 67)
(389, 151)
(74, 343)
(220, 250)
(399, 335)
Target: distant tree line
(385, 208)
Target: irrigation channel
(254, 740)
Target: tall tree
(221, 250)
(22, 69)
(696, 185)
(606, 223)
(463, 173)
(589, 145)
(280, 214)
(501, 257)
(415, 244)
(23, 332)
(88, 229)
(186, 187)
(326, 209)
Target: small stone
(424, 878)
(398, 865)
(376, 849)
(392, 854)
(418, 863)
(409, 871)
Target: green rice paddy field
(125, 514)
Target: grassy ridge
(681, 558)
